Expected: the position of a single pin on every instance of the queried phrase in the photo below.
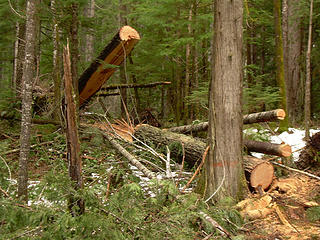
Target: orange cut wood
(262, 175)
(106, 64)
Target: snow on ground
(293, 137)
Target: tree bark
(224, 171)
(282, 150)
(101, 69)
(73, 144)
(294, 81)
(89, 37)
(194, 148)
(307, 103)
(273, 115)
(279, 60)
(74, 49)
(56, 65)
(28, 78)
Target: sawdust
(281, 212)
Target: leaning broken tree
(106, 64)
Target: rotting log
(268, 116)
(106, 64)
(194, 148)
(259, 172)
(282, 150)
(133, 85)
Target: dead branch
(216, 225)
(296, 170)
(131, 158)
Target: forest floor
(290, 209)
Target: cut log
(105, 65)
(269, 116)
(282, 150)
(274, 115)
(194, 148)
(134, 85)
(259, 172)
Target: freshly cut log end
(286, 150)
(281, 114)
(262, 175)
(127, 33)
(106, 63)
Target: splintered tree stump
(106, 64)
(310, 156)
(273, 115)
(259, 172)
(282, 150)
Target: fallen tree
(106, 64)
(194, 148)
(133, 85)
(274, 115)
(260, 172)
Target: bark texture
(282, 150)
(100, 70)
(28, 78)
(307, 101)
(73, 144)
(294, 81)
(279, 60)
(224, 169)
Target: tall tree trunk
(188, 69)
(89, 38)
(56, 65)
(294, 81)
(224, 171)
(279, 61)
(19, 56)
(285, 28)
(28, 78)
(123, 76)
(307, 104)
(74, 48)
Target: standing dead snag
(106, 64)
(73, 144)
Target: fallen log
(260, 173)
(309, 156)
(274, 115)
(281, 150)
(194, 148)
(105, 65)
(133, 85)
